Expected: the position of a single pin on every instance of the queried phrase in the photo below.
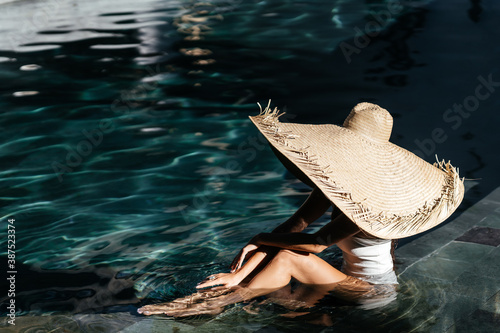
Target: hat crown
(370, 121)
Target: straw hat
(386, 190)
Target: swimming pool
(132, 170)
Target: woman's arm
(292, 241)
(338, 229)
(261, 256)
(313, 208)
(341, 227)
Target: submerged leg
(210, 302)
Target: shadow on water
(44, 291)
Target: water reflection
(409, 311)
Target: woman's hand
(224, 280)
(240, 258)
(248, 249)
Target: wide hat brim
(386, 190)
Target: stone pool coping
(462, 258)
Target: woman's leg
(184, 306)
(262, 256)
(307, 268)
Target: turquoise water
(128, 160)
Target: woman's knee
(285, 255)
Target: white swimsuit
(368, 259)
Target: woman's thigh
(307, 268)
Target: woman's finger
(240, 262)
(208, 284)
(204, 285)
(240, 258)
(210, 278)
(235, 260)
(235, 265)
(220, 279)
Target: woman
(379, 192)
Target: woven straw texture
(386, 190)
